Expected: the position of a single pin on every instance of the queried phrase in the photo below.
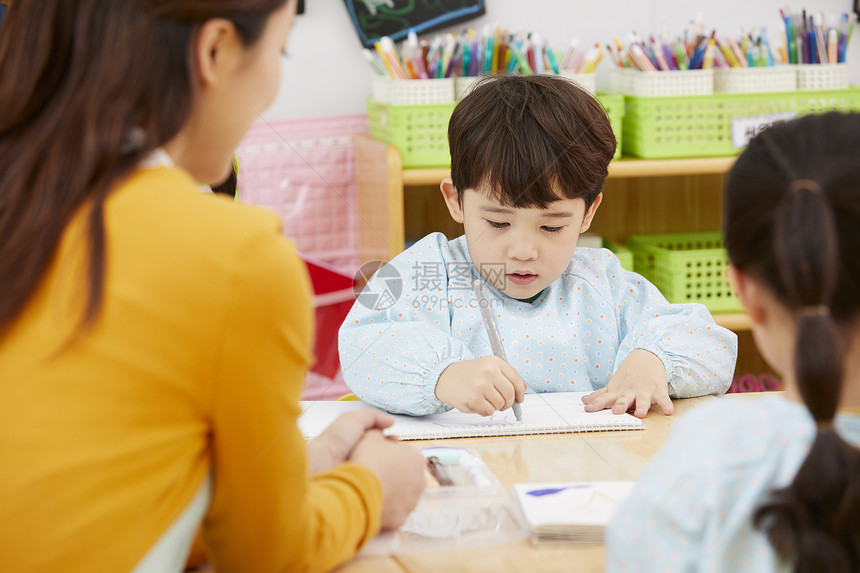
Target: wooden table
(617, 455)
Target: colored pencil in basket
(810, 40)
(502, 52)
(596, 54)
(374, 63)
(842, 44)
(389, 51)
(494, 65)
(568, 54)
(832, 45)
(386, 63)
(789, 37)
(671, 60)
(415, 55)
(738, 53)
(662, 63)
(820, 40)
(728, 54)
(537, 47)
(522, 62)
(708, 58)
(553, 62)
(448, 55)
(680, 55)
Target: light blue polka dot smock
(692, 507)
(573, 337)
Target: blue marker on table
(552, 490)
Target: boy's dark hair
(522, 136)
(792, 221)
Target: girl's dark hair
(520, 136)
(792, 221)
(89, 89)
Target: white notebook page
(549, 413)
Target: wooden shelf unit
(624, 167)
(734, 321)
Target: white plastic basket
(588, 82)
(822, 76)
(464, 85)
(413, 92)
(660, 84)
(756, 80)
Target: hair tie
(817, 310)
(807, 184)
(134, 142)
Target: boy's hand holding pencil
(481, 386)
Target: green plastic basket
(686, 267)
(701, 126)
(614, 106)
(625, 255)
(420, 132)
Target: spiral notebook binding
(515, 429)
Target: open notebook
(570, 512)
(550, 413)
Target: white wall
(325, 73)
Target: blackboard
(393, 18)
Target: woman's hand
(334, 445)
(401, 472)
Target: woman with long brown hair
(153, 339)
(773, 484)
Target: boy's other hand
(482, 385)
(638, 383)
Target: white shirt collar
(157, 158)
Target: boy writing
(529, 158)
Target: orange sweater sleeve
(266, 513)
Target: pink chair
(764, 382)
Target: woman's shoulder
(167, 201)
(160, 220)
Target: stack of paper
(570, 512)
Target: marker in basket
(493, 333)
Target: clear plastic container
(475, 510)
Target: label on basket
(746, 128)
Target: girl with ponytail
(773, 484)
